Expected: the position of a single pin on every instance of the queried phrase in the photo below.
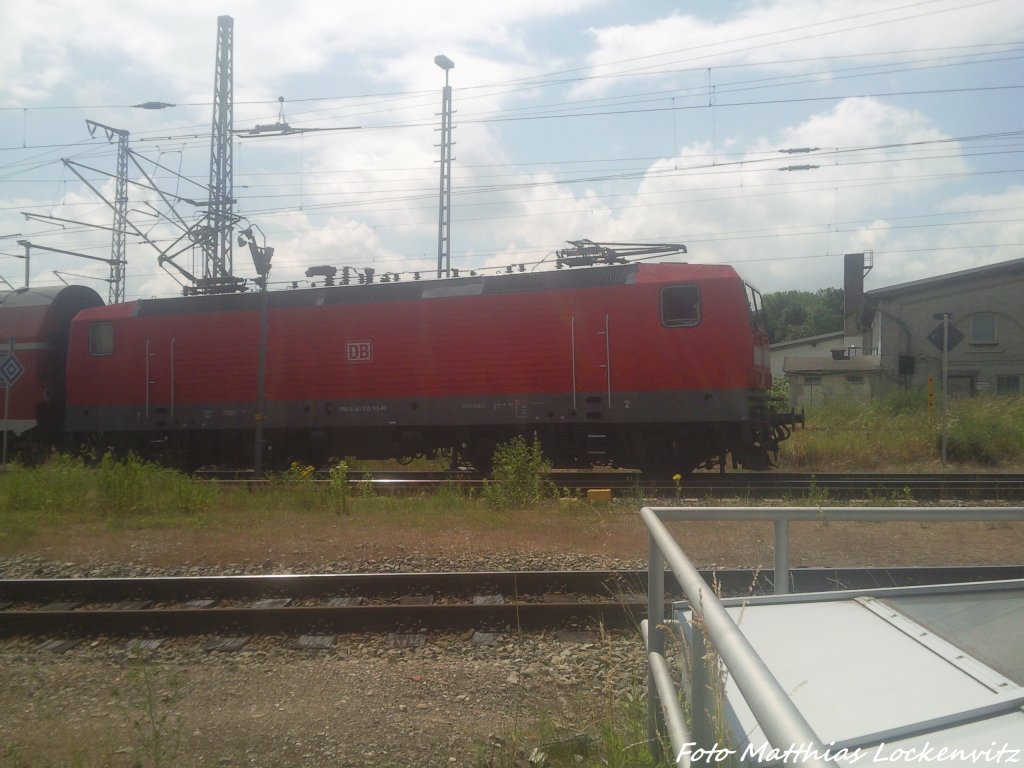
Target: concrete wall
(812, 389)
(978, 363)
(815, 346)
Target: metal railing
(781, 722)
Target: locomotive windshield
(756, 308)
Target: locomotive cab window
(101, 339)
(680, 305)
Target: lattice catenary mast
(115, 293)
(218, 265)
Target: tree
(799, 314)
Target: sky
(772, 135)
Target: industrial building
(893, 337)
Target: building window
(854, 378)
(1007, 385)
(983, 328)
(680, 305)
(101, 339)
(811, 380)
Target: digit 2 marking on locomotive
(358, 351)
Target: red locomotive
(655, 366)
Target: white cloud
(174, 44)
(794, 36)
(746, 211)
(369, 197)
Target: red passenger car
(645, 365)
(34, 326)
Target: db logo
(358, 351)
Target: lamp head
(244, 237)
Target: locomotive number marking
(627, 403)
(358, 351)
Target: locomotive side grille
(560, 280)
(386, 292)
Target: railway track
(918, 486)
(327, 604)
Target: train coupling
(788, 418)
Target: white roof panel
(899, 671)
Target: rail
(825, 488)
(779, 718)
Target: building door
(159, 382)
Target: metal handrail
(782, 516)
(781, 722)
(675, 722)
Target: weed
(817, 496)
(156, 728)
(902, 497)
(900, 430)
(297, 484)
(610, 732)
(520, 475)
(297, 474)
(985, 430)
(638, 491)
(570, 497)
(338, 487)
(366, 486)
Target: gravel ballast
(359, 703)
(459, 699)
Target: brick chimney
(853, 300)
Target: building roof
(790, 343)
(1013, 267)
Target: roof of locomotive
(477, 285)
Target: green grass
(115, 494)
(897, 433)
(125, 495)
(901, 432)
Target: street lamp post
(27, 257)
(444, 259)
